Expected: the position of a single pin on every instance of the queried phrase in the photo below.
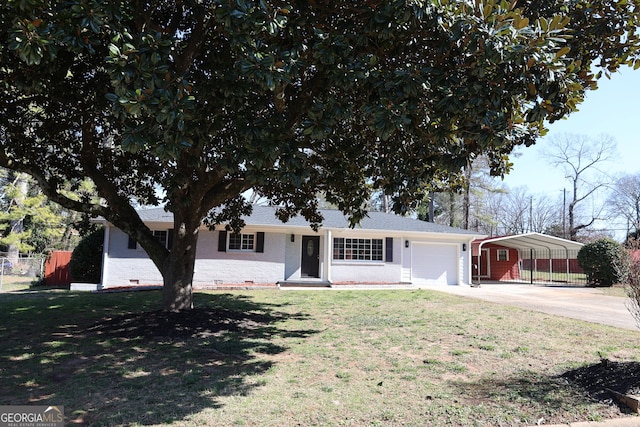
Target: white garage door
(434, 264)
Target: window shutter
(170, 238)
(132, 244)
(260, 241)
(389, 249)
(222, 241)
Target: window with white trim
(161, 236)
(345, 248)
(503, 255)
(241, 242)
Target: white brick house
(384, 248)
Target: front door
(310, 256)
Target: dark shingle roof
(155, 215)
(265, 215)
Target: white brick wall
(293, 255)
(279, 261)
(130, 266)
(213, 266)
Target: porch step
(304, 283)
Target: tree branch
(223, 191)
(50, 188)
(183, 63)
(119, 212)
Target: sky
(613, 109)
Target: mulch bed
(623, 377)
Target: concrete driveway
(588, 304)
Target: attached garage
(434, 264)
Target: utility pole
(564, 221)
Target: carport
(540, 257)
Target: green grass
(12, 283)
(614, 291)
(309, 358)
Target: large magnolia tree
(193, 102)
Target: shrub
(633, 278)
(86, 259)
(604, 261)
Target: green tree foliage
(205, 99)
(86, 258)
(604, 261)
(28, 221)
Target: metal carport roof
(535, 241)
(539, 245)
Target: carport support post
(479, 262)
(531, 266)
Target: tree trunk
(17, 225)
(68, 231)
(178, 269)
(432, 210)
(452, 208)
(573, 231)
(467, 195)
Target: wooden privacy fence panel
(56, 271)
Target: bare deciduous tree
(516, 211)
(582, 159)
(544, 213)
(631, 270)
(625, 200)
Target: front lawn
(301, 358)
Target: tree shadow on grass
(111, 360)
(532, 396)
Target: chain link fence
(21, 272)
